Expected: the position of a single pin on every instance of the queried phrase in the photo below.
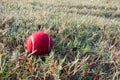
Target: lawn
(86, 35)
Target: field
(86, 36)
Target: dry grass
(85, 33)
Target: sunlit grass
(85, 33)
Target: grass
(85, 33)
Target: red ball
(39, 42)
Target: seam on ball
(32, 43)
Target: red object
(40, 42)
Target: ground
(86, 36)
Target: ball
(39, 43)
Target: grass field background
(86, 36)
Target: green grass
(85, 33)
